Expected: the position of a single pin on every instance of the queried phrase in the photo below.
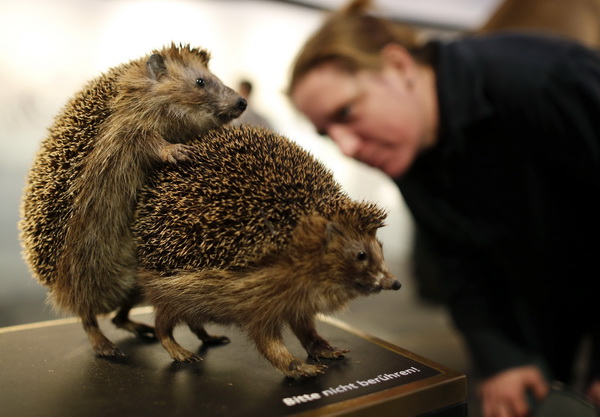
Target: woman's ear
(396, 57)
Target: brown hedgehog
(254, 232)
(82, 188)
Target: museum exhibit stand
(49, 369)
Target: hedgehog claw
(108, 350)
(299, 369)
(333, 353)
(186, 356)
(176, 152)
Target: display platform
(49, 369)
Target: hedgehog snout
(233, 111)
(242, 104)
(388, 282)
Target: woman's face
(382, 118)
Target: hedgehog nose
(242, 104)
(396, 285)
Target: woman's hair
(353, 39)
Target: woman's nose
(348, 142)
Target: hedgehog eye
(200, 82)
(361, 256)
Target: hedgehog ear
(156, 66)
(332, 230)
(374, 225)
(372, 230)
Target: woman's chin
(396, 167)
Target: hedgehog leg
(315, 345)
(269, 342)
(207, 339)
(102, 346)
(164, 332)
(122, 321)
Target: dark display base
(49, 369)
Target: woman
(494, 143)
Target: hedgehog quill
(81, 191)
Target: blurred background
(49, 48)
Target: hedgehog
(81, 192)
(254, 232)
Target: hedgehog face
(191, 93)
(201, 96)
(361, 268)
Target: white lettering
(301, 399)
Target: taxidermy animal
(82, 189)
(254, 232)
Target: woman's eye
(200, 82)
(343, 114)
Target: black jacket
(509, 198)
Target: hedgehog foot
(178, 353)
(299, 369)
(184, 355)
(164, 332)
(108, 349)
(208, 339)
(122, 321)
(100, 343)
(216, 340)
(315, 345)
(139, 329)
(320, 348)
(269, 342)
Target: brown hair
(353, 39)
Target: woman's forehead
(323, 90)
